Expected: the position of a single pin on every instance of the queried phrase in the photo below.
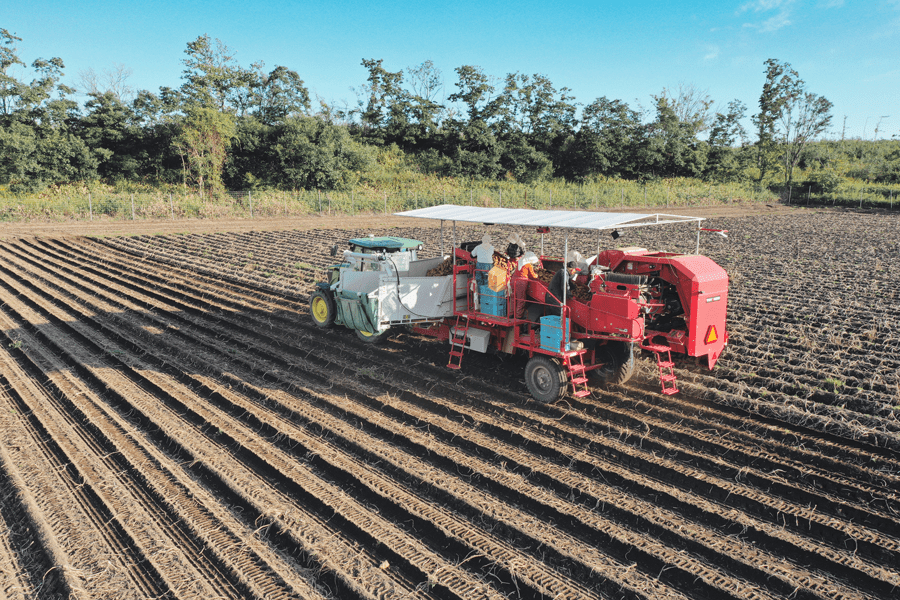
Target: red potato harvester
(627, 299)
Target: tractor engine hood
(702, 288)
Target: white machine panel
(418, 299)
(476, 339)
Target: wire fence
(612, 195)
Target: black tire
(545, 378)
(321, 309)
(618, 359)
(373, 338)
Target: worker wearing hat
(562, 277)
(520, 281)
(484, 259)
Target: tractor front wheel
(545, 378)
(619, 363)
(372, 338)
(321, 309)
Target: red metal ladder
(577, 376)
(458, 342)
(666, 367)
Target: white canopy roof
(571, 219)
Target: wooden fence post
(90, 206)
(171, 206)
(132, 206)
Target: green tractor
(379, 284)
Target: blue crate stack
(553, 336)
(492, 303)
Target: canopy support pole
(566, 269)
(454, 248)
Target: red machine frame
(622, 301)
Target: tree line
(234, 127)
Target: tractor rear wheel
(545, 378)
(373, 338)
(618, 359)
(321, 309)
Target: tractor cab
(377, 248)
(386, 245)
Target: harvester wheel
(321, 309)
(545, 378)
(619, 367)
(372, 338)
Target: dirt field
(172, 425)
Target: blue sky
(847, 51)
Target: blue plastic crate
(493, 305)
(487, 292)
(553, 336)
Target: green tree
(109, 131)
(278, 95)
(309, 153)
(723, 162)
(789, 117)
(531, 120)
(606, 143)
(39, 144)
(690, 105)
(470, 144)
(10, 87)
(212, 77)
(426, 82)
(782, 82)
(803, 117)
(202, 141)
(475, 92)
(669, 148)
(383, 91)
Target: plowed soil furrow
(70, 524)
(215, 452)
(770, 401)
(731, 463)
(25, 565)
(285, 461)
(140, 538)
(178, 570)
(446, 572)
(142, 465)
(718, 434)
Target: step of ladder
(666, 367)
(458, 342)
(576, 372)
